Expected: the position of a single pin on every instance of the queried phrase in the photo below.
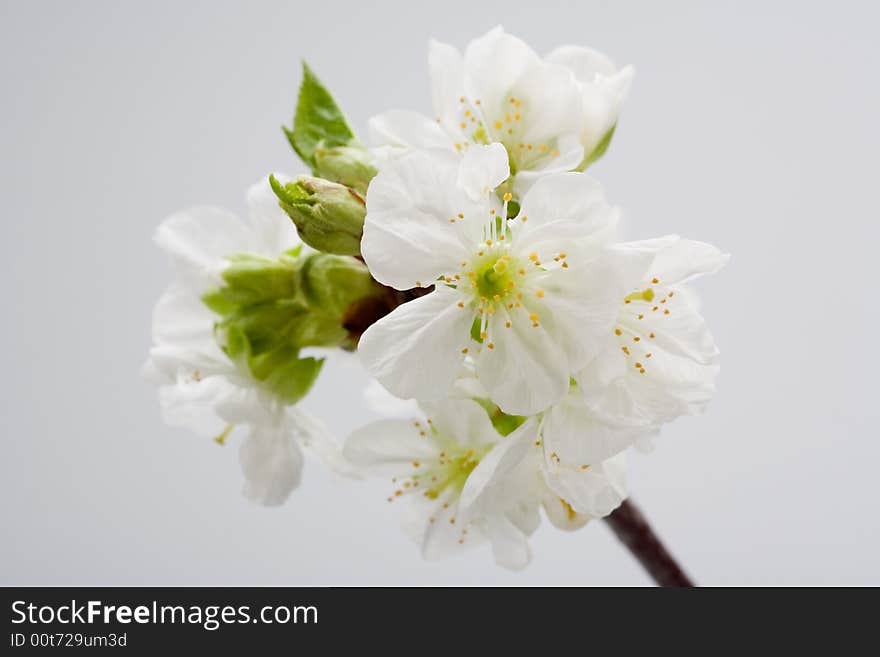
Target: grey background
(750, 126)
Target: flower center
(506, 124)
(445, 474)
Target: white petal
(409, 239)
(580, 305)
(493, 63)
(550, 107)
(570, 155)
(389, 447)
(603, 101)
(596, 491)
(510, 546)
(560, 513)
(314, 435)
(382, 402)
(272, 462)
(442, 533)
(585, 63)
(462, 420)
(482, 169)
(446, 72)
(274, 232)
(561, 207)
(406, 129)
(504, 476)
(192, 403)
(572, 433)
(415, 351)
(181, 318)
(526, 371)
(684, 260)
(198, 239)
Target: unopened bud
(347, 165)
(328, 216)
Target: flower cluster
(479, 273)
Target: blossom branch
(627, 522)
(630, 526)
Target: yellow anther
(508, 196)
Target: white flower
(571, 493)
(604, 89)
(200, 388)
(550, 114)
(431, 462)
(580, 464)
(660, 361)
(540, 291)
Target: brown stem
(630, 526)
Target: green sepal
(600, 148)
(504, 423)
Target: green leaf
(318, 120)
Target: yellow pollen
(534, 317)
(617, 331)
(484, 335)
(507, 324)
(533, 257)
(525, 219)
(539, 294)
(508, 196)
(497, 125)
(461, 304)
(460, 215)
(491, 345)
(655, 280)
(464, 351)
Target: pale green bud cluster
(270, 309)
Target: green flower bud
(271, 308)
(348, 165)
(328, 216)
